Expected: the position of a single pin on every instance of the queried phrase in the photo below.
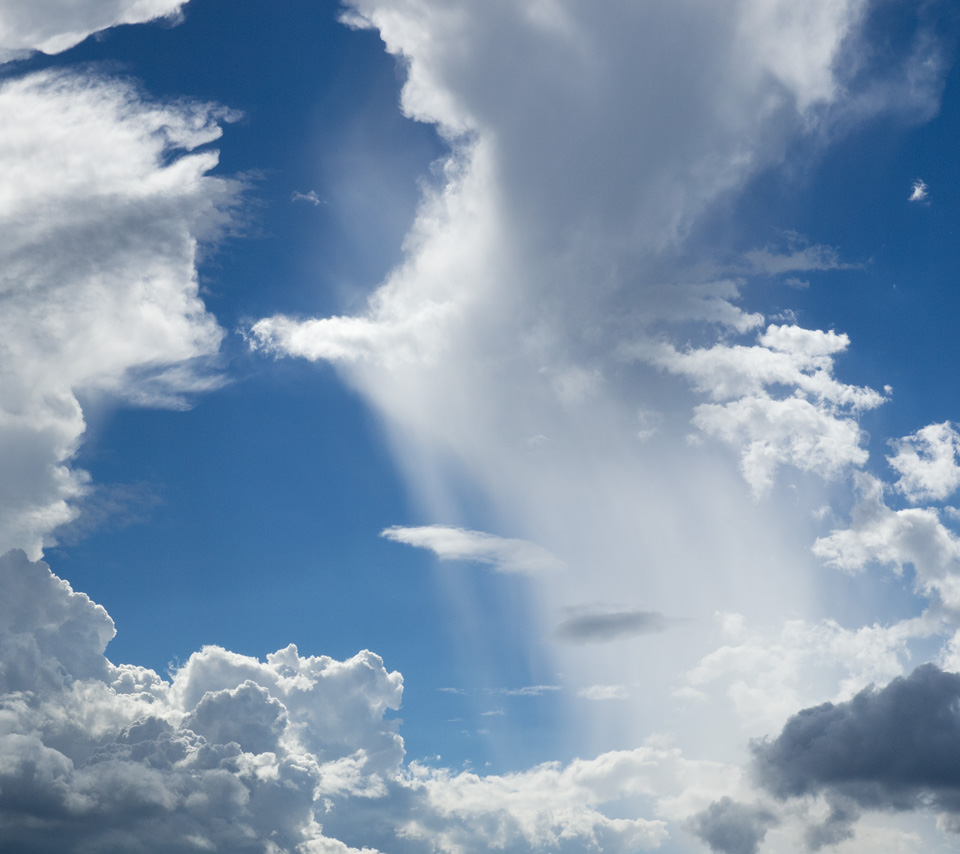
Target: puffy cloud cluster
(914, 536)
(289, 754)
(778, 401)
(927, 463)
(104, 199)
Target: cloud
(57, 25)
(765, 676)
(504, 555)
(914, 536)
(893, 748)
(927, 463)
(810, 424)
(604, 692)
(591, 625)
(105, 198)
(529, 690)
(290, 753)
(919, 191)
(800, 257)
(310, 197)
(733, 828)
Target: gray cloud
(733, 828)
(894, 748)
(594, 626)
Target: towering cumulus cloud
(561, 337)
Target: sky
(436, 427)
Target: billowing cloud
(589, 625)
(55, 25)
(765, 676)
(897, 747)
(927, 463)
(502, 553)
(915, 536)
(105, 198)
(810, 424)
(288, 754)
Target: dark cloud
(597, 626)
(733, 828)
(894, 748)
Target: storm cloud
(894, 748)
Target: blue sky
(573, 387)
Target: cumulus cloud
(55, 25)
(893, 748)
(810, 424)
(589, 625)
(765, 676)
(913, 536)
(287, 754)
(927, 463)
(919, 191)
(503, 554)
(105, 198)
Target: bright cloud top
(503, 554)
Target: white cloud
(604, 692)
(529, 690)
(927, 463)
(310, 197)
(919, 191)
(913, 536)
(503, 554)
(766, 676)
(53, 26)
(810, 424)
(102, 204)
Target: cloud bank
(288, 754)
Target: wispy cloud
(919, 191)
(528, 690)
(604, 692)
(311, 197)
(503, 554)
